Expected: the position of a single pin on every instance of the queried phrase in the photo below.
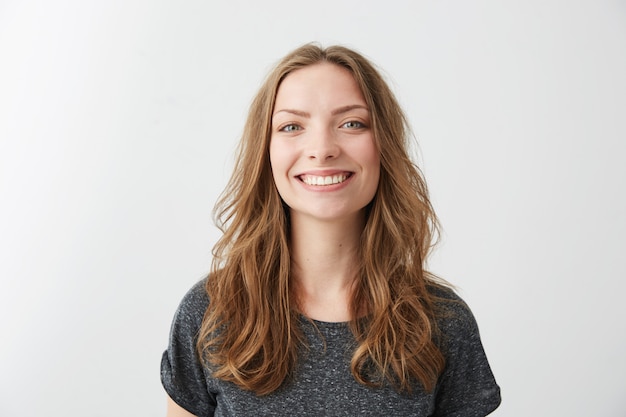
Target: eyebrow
(346, 109)
(340, 110)
(293, 111)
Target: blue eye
(353, 124)
(290, 128)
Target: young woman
(318, 303)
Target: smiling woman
(319, 302)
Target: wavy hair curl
(250, 334)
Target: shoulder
(454, 319)
(467, 386)
(182, 374)
(193, 305)
(450, 308)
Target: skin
(321, 128)
(175, 410)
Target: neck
(325, 262)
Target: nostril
(322, 156)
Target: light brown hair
(250, 334)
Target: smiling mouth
(324, 180)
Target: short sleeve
(467, 387)
(182, 375)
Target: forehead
(322, 83)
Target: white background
(118, 121)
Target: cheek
(371, 158)
(274, 157)
(280, 164)
(280, 161)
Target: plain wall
(118, 122)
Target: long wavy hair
(250, 334)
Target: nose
(323, 145)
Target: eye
(353, 124)
(289, 128)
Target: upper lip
(324, 172)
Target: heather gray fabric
(323, 384)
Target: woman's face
(322, 152)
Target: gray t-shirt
(323, 384)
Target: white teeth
(328, 180)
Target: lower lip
(326, 188)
